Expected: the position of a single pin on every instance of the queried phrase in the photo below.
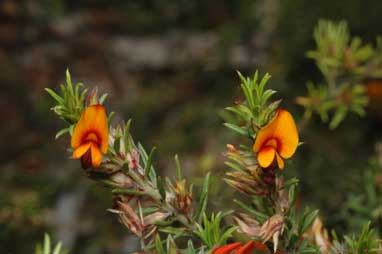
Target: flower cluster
(271, 218)
(161, 211)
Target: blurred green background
(170, 66)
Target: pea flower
(236, 248)
(278, 139)
(90, 136)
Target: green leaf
(338, 117)
(307, 220)
(158, 245)
(261, 216)
(292, 195)
(57, 249)
(203, 199)
(62, 132)
(178, 168)
(227, 234)
(110, 117)
(210, 231)
(190, 249)
(160, 187)
(237, 129)
(77, 90)
(248, 96)
(103, 98)
(148, 166)
(127, 137)
(46, 244)
(132, 192)
(233, 165)
(268, 94)
(117, 144)
(69, 83)
(54, 95)
(263, 82)
(145, 158)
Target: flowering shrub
(164, 213)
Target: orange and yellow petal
(93, 121)
(264, 135)
(226, 248)
(286, 133)
(282, 129)
(81, 150)
(266, 156)
(280, 161)
(246, 248)
(96, 155)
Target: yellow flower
(90, 136)
(278, 139)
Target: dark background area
(170, 66)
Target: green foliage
(255, 111)
(336, 52)
(156, 208)
(210, 231)
(71, 102)
(47, 248)
(297, 226)
(365, 243)
(345, 63)
(365, 202)
(203, 200)
(307, 221)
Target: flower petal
(283, 129)
(93, 120)
(266, 156)
(286, 133)
(96, 155)
(225, 249)
(280, 161)
(246, 248)
(81, 150)
(265, 134)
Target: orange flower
(226, 249)
(237, 248)
(90, 136)
(279, 138)
(246, 248)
